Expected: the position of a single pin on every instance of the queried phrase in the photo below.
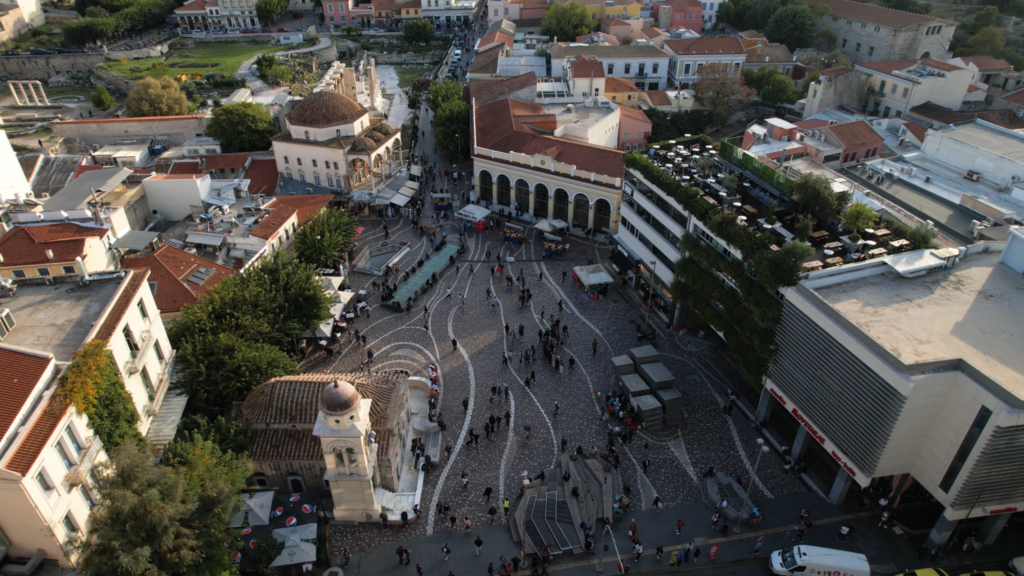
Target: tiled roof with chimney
(305, 204)
(499, 127)
(855, 134)
(27, 245)
(273, 221)
(584, 67)
(172, 269)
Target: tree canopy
(268, 10)
(418, 31)
(443, 91)
(815, 193)
(242, 127)
(156, 97)
(239, 334)
(101, 98)
(987, 41)
(325, 237)
(720, 89)
(672, 125)
(566, 22)
(771, 85)
(793, 25)
(857, 217)
(451, 124)
(161, 521)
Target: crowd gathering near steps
(515, 350)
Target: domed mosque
(332, 140)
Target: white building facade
(689, 57)
(646, 66)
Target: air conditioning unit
(973, 176)
(928, 179)
(784, 138)
(6, 323)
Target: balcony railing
(135, 364)
(162, 384)
(640, 75)
(80, 472)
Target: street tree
(793, 25)
(164, 520)
(418, 31)
(726, 14)
(242, 127)
(566, 22)
(443, 91)
(771, 85)
(325, 238)
(815, 193)
(156, 97)
(721, 90)
(451, 126)
(102, 99)
(268, 10)
(908, 6)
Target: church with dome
(331, 140)
(347, 435)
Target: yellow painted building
(623, 9)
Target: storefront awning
(400, 200)
(593, 274)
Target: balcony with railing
(135, 363)
(162, 384)
(80, 473)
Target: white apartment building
(646, 66)
(689, 57)
(47, 454)
(897, 86)
(907, 369)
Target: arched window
(298, 161)
(337, 133)
(540, 201)
(335, 165)
(522, 194)
(561, 205)
(602, 215)
(581, 211)
(314, 163)
(285, 159)
(486, 186)
(316, 179)
(504, 190)
(330, 181)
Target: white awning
(204, 238)
(559, 223)
(400, 200)
(415, 170)
(593, 274)
(414, 185)
(473, 213)
(545, 225)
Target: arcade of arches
(578, 211)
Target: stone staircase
(165, 424)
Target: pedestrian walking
(686, 554)
(715, 519)
(659, 552)
(487, 494)
(844, 530)
(419, 569)
(638, 548)
(632, 528)
(400, 553)
(593, 346)
(800, 531)
(478, 542)
(447, 551)
(696, 554)
(465, 404)
(505, 506)
(455, 344)
(679, 526)
(492, 512)
(563, 276)
(556, 410)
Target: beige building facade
(866, 32)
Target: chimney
(49, 254)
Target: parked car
(234, 31)
(457, 55)
(250, 31)
(266, 30)
(218, 32)
(11, 52)
(40, 52)
(282, 30)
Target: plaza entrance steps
(438, 261)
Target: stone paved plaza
(677, 455)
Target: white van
(816, 560)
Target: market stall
(514, 234)
(442, 201)
(477, 215)
(594, 279)
(553, 246)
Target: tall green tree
(727, 15)
(757, 13)
(163, 521)
(987, 16)
(793, 25)
(242, 127)
(908, 6)
(857, 217)
(325, 237)
(987, 42)
(418, 31)
(228, 435)
(566, 22)
(451, 125)
(771, 85)
(815, 193)
(102, 99)
(268, 10)
(156, 97)
(443, 91)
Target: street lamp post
(746, 497)
(650, 298)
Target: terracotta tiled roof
(916, 129)
(770, 54)
(879, 15)
(486, 90)
(584, 67)
(273, 222)
(225, 161)
(612, 21)
(22, 371)
(1015, 97)
(486, 61)
(752, 35)
(88, 168)
(599, 37)
(855, 134)
(305, 204)
(836, 71)
(123, 303)
(706, 45)
(1005, 118)
(497, 37)
(653, 32)
(971, 88)
(561, 50)
(659, 97)
(811, 124)
(39, 436)
(619, 85)
(684, 4)
(28, 163)
(185, 167)
(634, 113)
(170, 268)
(277, 444)
(295, 400)
(498, 128)
(197, 6)
(262, 176)
(27, 245)
(987, 63)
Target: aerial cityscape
(513, 287)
